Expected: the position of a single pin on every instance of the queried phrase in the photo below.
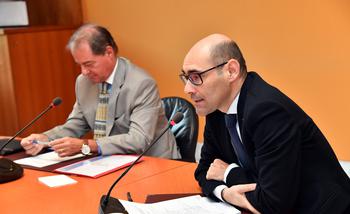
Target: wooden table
(151, 176)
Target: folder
(98, 166)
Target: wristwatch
(85, 148)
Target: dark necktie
(231, 120)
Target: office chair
(186, 131)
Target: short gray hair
(227, 50)
(97, 37)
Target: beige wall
(300, 46)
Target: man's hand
(236, 195)
(216, 170)
(31, 147)
(67, 146)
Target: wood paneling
(54, 12)
(8, 116)
(41, 70)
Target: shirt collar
(233, 107)
(110, 79)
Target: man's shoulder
(81, 79)
(135, 73)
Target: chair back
(186, 131)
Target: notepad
(56, 180)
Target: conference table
(149, 177)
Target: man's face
(213, 93)
(96, 67)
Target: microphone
(109, 204)
(9, 169)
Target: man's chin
(202, 112)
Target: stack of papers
(191, 204)
(45, 159)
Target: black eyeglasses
(196, 77)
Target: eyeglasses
(196, 77)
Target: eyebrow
(190, 71)
(88, 62)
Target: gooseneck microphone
(109, 204)
(8, 166)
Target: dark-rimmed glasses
(196, 77)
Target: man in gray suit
(134, 116)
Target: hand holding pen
(31, 145)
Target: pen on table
(128, 195)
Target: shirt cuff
(228, 169)
(217, 191)
(99, 151)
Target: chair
(186, 131)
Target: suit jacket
(295, 168)
(135, 114)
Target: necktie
(231, 120)
(101, 112)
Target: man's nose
(84, 71)
(189, 88)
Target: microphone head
(177, 117)
(57, 101)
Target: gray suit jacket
(135, 114)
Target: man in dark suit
(274, 159)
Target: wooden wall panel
(54, 12)
(8, 116)
(41, 70)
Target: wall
(299, 46)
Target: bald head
(214, 49)
(206, 44)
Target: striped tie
(101, 112)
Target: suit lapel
(242, 100)
(118, 82)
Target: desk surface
(152, 176)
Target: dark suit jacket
(295, 168)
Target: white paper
(45, 159)
(98, 165)
(56, 180)
(185, 205)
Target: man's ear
(233, 69)
(109, 51)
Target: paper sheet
(45, 159)
(97, 166)
(185, 205)
(56, 180)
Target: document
(185, 205)
(45, 159)
(98, 166)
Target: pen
(40, 142)
(128, 195)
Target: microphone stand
(10, 166)
(24, 128)
(109, 204)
